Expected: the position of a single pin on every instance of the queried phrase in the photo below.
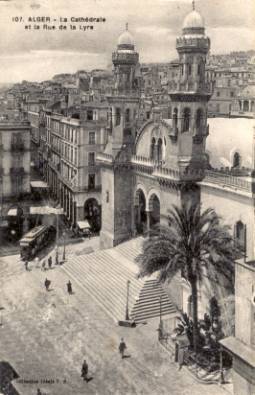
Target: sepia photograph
(127, 197)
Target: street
(47, 335)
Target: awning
(38, 184)
(12, 212)
(83, 225)
(45, 210)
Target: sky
(37, 55)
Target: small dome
(193, 20)
(126, 38)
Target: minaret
(115, 162)
(189, 101)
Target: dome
(193, 20)
(126, 38)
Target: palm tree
(191, 243)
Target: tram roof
(34, 232)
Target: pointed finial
(193, 5)
(126, 26)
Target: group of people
(44, 263)
(69, 287)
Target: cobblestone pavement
(46, 335)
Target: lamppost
(127, 312)
(160, 327)
(64, 250)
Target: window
(199, 118)
(186, 119)
(117, 117)
(240, 235)
(236, 160)
(148, 114)
(246, 105)
(175, 118)
(189, 69)
(231, 94)
(90, 115)
(91, 158)
(92, 138)
(218, 94)
(159, 150)
(91, 181)
(153, 142)
(127, 115)
(107, 197)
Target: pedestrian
(47, 284)
(50, 262)
(122, 347)
(69, 287)
(56, 259)
(39, 392)
(84, 371)
(44, 265)
(26, 264)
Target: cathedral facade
(166, 161)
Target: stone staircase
(152, 302)
(104, 275)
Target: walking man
(47, 284)
(50, 262)
(69, 287)
(122, 347)
(56, 259)
(84, 371)
(44, 265)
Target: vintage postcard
(127, 195)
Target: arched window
(199, 117)
(159, 150)
(240, 235)
(127, 115)
(153, 142)
(236, 160)
(246, 105)
(175, 118)
(186, 119)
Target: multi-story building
(14, 167)
(69, 147)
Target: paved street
(46, 336)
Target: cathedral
(146, 170)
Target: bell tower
(189, 100)
(115, 161)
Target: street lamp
(160, 328)
(127, 312)
(64, 250)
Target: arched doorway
(92, 212)
(140, 214)
(154, 206)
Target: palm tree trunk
(193, 284)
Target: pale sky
(37, 55)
